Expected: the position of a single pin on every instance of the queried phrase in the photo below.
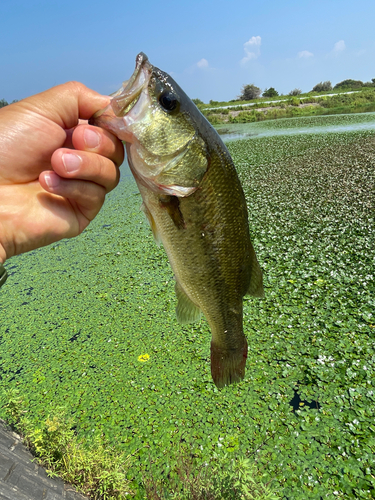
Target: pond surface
(79, 316)
(297, 126)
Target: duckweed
(79, 316)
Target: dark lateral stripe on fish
(228, 365)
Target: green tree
(322, 86)
(3, 103)
(295, 92)
(249, 92)
(349, 84)
(197, 101)
(271, 92)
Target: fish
(195, 205)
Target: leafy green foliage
(3, 102)
(222, 478)
(363, 101)
(271, 92)
(355, 100)
(349, 84)
(322, 86)
(79, 317)
(295, 92)
(96, 470)
(312, 217)
(249, 92)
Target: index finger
(67, 103)
(69, 134)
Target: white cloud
(203, 63)
(252, 49)
(305, 54)
(339, 47)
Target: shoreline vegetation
(343, 100)
(327, 103)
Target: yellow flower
(143, 357)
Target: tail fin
(228, 365)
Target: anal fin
(186, 310)
(256, 282)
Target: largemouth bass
(195, 205)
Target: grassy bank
(80, 316)
(305, 105)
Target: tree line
(3, 102)
(251, 91)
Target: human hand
(54, 172)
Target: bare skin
(55, 169)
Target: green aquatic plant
(77, 315)
(103, 475)
(222, 478)
(94, 470)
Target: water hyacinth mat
(89, 323)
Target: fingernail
(71, 162)
(52, 180)
(91, 138)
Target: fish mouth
(128, 95)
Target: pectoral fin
(152, 223)
(172, 205)
(186, 310)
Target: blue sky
(211, 48)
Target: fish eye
(168, 101)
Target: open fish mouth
(124, 99)
(129, 96)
